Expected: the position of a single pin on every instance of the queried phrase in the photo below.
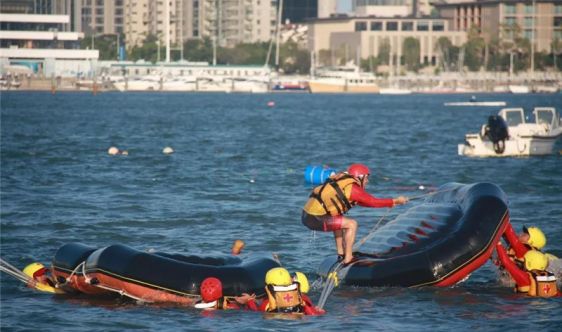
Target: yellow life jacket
(543, 284)
(332, 197)
(285, 299)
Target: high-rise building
(327, 8)
(27, 6)
(98, 16)
(92, 16)
(297, 11)
(539, 21)
(234, 21)
(229, 22)
(148, 17)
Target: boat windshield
(514, 118)
(544, 117)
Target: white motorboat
(144, 83)
(518, 89)
(9, 84)
(179, 84)
(477, 103)
(343, 79)
(252, 85)
(508, 134)
(474, 102)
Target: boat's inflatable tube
(439, 242)
(158, 277)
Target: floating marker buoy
(421, 187)
(168, 150)
(113, 151)
(252, 180)
(271, 104)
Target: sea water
(237, 173)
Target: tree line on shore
(500, 55)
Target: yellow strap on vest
(333, 197)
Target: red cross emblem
(546, 288)
(288, 297)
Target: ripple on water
(237, 173)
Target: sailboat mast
(167, 27)
(533, 40)
(279, 16)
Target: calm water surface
(238, 173)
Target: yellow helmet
(35, 269)
(303, 282)
(536, 237)
(278, 276)
(535, 260)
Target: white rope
(339, 272)
(13, 268)
(86, 278)
(371, 232)
(14, 272)
(122, 293)
(15, 275)
(74, 271)
(429, 194)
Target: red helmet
(358, 170)
(211, 289)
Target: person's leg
(338, 236)
(349, 227)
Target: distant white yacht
(517, 89)
(394, 91)
(343, 79)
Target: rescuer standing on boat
(328, 203)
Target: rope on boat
(81, 265)
(430, 194)
(122, 293)
(14, 272)
(339, 271)
(371, 232)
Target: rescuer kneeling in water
(212, 297)
(285, 294)
(325, 209)
(533, 278)
(40, 278)
(530, 238)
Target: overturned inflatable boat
(439, 242)
(155, 277)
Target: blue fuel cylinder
(317, 174)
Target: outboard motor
(497, 132)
